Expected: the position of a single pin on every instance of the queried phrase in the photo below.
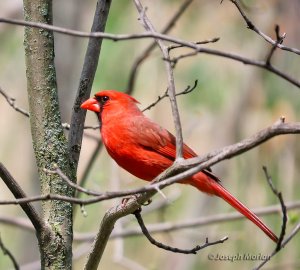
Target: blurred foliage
(232, 101)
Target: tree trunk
(49, 142)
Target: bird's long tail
(213, 187)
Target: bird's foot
(135, 196)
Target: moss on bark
(49, 142)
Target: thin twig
(156, 35)
(279, 40)
(213, 40)
(252, 27)
(66, 126)
(11, 101)
(19, 194)
(170, 76)
(59, 172)
(137, 63)
(283, 208)
(9, 254)
(294, 232)
(187, 90)
(239, 58)
(90, 164)
(194, 250)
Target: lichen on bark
(49, 142)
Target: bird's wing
(153, 137)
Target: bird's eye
(102, 99)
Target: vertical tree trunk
(49, 142)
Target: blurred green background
(232, 101)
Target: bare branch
(148, 50)
(18, 222)
(11, 102)
(86, 80)
(18, 193)
(284, 243)
(171, 83)
(195, 222)
(67, 126)
(184, 168)
(283, 208)
(90, 163)
(162, 227)
(9, 254)
(252, 27)
(279, 40)
(189, 89)
(239, 58)
(213, 40)
(197, 48)
(194, 250)
(58, 171)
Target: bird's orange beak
(91, 104)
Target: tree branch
(151, 47)
(86, 80)
(283, 208)
(252, 27)
(284, 243)
(279, 40)
(18, 192)
(23, 223)
(184, 169)
(171, 83)
(90, 164)
(11, 102)
(194, 250)
(197, 48)
(49, 141)
(238, 58)
(187, 90)
(58, 171)
(9, 254)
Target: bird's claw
(126, 199)
(147, 202)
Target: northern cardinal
(145, 149)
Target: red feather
(145, 149)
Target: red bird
(145, 149)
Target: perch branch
(186, 168)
